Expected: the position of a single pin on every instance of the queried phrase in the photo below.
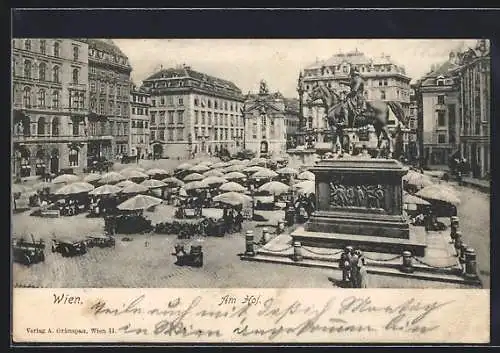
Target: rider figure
(355, 98)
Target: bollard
(470, 264)
(407, 266)
(249, 244)
(281, 226)
(463, 248)
(297, 251)
(458, 242)
(265, 236)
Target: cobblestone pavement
(133, 264)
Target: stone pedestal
(359, 202)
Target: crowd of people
(352, 264)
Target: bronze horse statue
(340, 116)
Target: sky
(277, 61)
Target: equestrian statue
(351, 110)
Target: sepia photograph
(250, 163)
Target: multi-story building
(413, 146)
(265, 129)
(439, 94)
(140, 102)
(292, 121)
(384, 80)
(192, 112)
(109, 86)
(50, 105)
(475, 114)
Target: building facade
(474, 120)
(50, 105)
(109, 100)
(193, 113)
(265, 128)
(413, 140)
(292, 121)
(140, 103)
(439, 93)
(384, 80)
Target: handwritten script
(268, 318)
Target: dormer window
(440, 81)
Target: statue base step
(362, 224)
(416, 243)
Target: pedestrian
(361, 281)
(354, 269)
(345, 263)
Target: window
(102, 88)
(345, 69)
(180, 134)
(43, 47)
(101, 107)
(441, 99)
(76, 52)
(55, 99)
(380, 83)
(56, 49)
(441, 138)
(42, 69)
(27, 97)
(145, 124)
(170, 117)
(81, 101)
(181, 101)
(74, 155)
(27, 69)
(441, 118)
(41, 126)
(153, 102)
(202, 118)
(153, 117)
(152, 135)
(385, 83)
(41, 98)
(196, 117)
(162, 101)
(180, 117)
(55, 74)
(382, 95)
(75, 76)
(55, 126)
(93, 103)
(27, 44)
(92, 86)
(133, 111)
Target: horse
(340, 117)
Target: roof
(104, 45)
(188, 72)
(354, 58)
(445, 70)
(292, 104)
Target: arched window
(74, 156)
(42, 69)
(75, 53)
(27, 69)
(40, 130)
(55, 74)
(27, 97)
(55, 99)
(41, 98)
(27, 44)
(75, 75)
(43, 46)
(55, 126)
(56, 49)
